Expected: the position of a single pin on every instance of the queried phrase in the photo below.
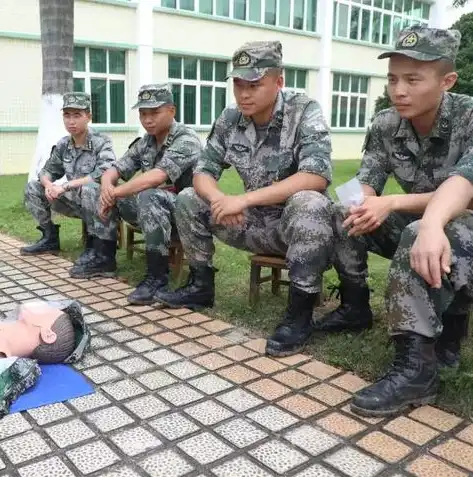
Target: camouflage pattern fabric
(426, 44)
(76, 100)
(154, 96)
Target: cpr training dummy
(38, 332)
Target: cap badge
(243, 59)
(145, 95)
(410, 40)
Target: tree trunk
(57, 47)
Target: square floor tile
(166, 464)
(13, 424)
(185, 370)
(210, 384)
(147, 329)
(215, 326)
(135, 441)
(240, 432)
(214, 342)
(354, 463)
(273, 418)
(319, 370)
(147, 406)
(192, 331)
(238, 353)
(53, 467)
(385, 447)
(316, 471)
(428, 466)
(46, 414)
(190, 349)
(180, 394)
(124, 389)
(240, 400)
(466, 434)
(278, 456)
(25, 447)
(411, 430)
(167, 338)
(102, 374)
(113, 353)
(123, 335)
(212, 361)
(350, 382)
(456, 452)
(312, 440)
(92, 457)
(294, 379)
(162, 357)
(328, 394)
(238, 374)
(265, 365)
(156, 380)
(142, 345)
(204, 448)
(208, 413)
(109, 418)
(301, 406)
(441, 420)
(107, 326)
(341, 425)
(268, 389)
(239, 467)
(69, 433)
(134, 365)
(173, 426)
(121, 472)
(89, 402)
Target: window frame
(297, 72)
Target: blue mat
(57, 383)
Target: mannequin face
(31, 328)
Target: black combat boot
(455, 329)
(102, 264)
(48, 243)
(88, 252)
(156, 278)
(296, 327)
(353, 313)
(412, 380)
(197, 293)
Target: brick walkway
(179, 394)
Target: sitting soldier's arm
(53, 169)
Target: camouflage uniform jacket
(177, 156)
(93, 159)
(418, 164)
(297, 140)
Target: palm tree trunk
(57, 47)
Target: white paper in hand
(350, 193)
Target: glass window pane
(186, 5)
(367, 2)
(334, 110)
(117, 101)
(168, 3)
(334, 19)
(397, 27)
(311, 15)
(398, 6)
(362, 113)
(354, 22)
(220, 101)
(425, 11)
(79, 58)
(239, 9)
(284, 13)
(343, 112)
(365, 25)
(375, 33)
(290, 78)
(388, 4)
(270, 12)
(189, 104)
(336, 82)
(176, 92)
(255, 11)
(385, 39)
(220, 71)
(301, 79)
(98, 94)
(364, 85)
(417, 9)
(355, 84)
(206, 105)
(116, 61)
(97, 60)
(190, 68)
(206, 70)
(408, 7)
(378, 3)
(353, 115)
(223, 8)
(79, 84)
(175, 67)
(345, 85)
(206, 6)
(298, 15)
(343, 20)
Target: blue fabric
(57, 383)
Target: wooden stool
(276, 264)
(119, 233)
(176, 252)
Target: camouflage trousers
(302, 231)
(412, 305)
(78, 203)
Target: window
(349, 96)
(294, 14)
(199, 88)
(377, 21)
(295, 79)
(101, 73)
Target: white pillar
(440, 14)
(324, 76)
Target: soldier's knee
(34, 189)
(308, 201)
(90, 191)
(409, 234)
(148, 196)
(186, 199)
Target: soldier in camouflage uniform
(82, 157)
(279, 144)
(166, 156)
(422, 140)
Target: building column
(439, 17)
(324, 76)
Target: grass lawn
(366, 354)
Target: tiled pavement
(179, 394)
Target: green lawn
(367, 354)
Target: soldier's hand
(107, 194)
(431, 254)
(54, 192)
(367, 217)
(227, 205)
(233, 220)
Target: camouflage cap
(154, 96)
(76, 100)
(253, 60)
(426, 44)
